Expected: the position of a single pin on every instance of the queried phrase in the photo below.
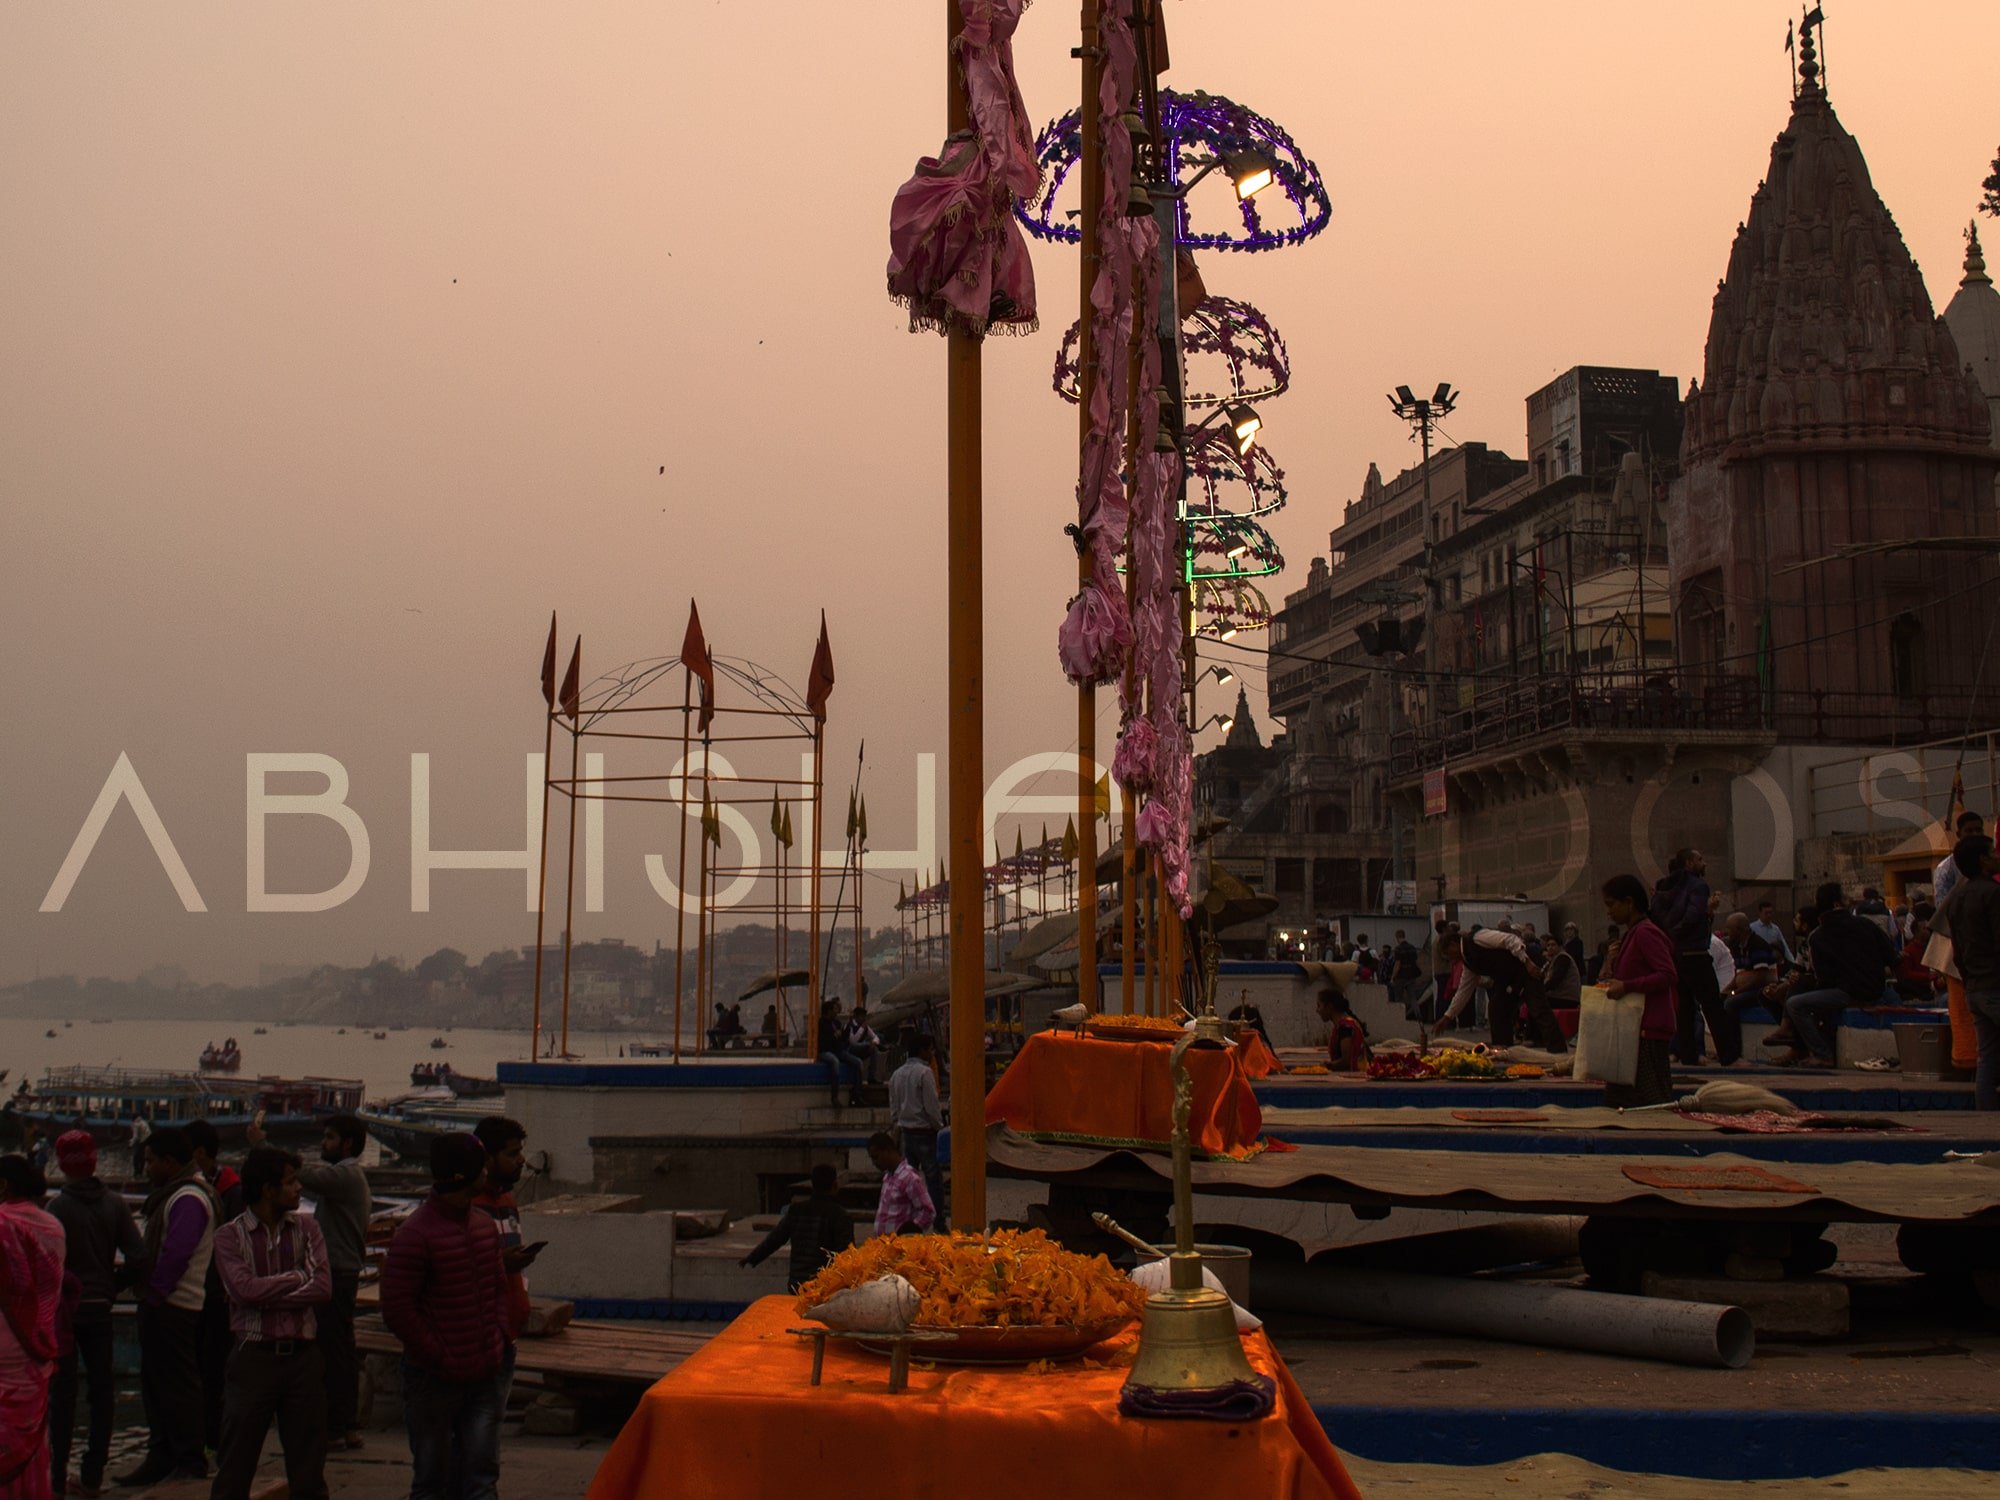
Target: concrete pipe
(1687, 1333)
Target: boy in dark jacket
(818, 1227)
(99, 1228)
(444, 1294)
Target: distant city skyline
(343, 345)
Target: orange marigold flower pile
(1009, 1279)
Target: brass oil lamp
(1188, 1339)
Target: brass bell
(1138, 202)
(1188, 1341)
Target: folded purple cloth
(1239, 1401)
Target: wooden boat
(105, 1101)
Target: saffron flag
(572, 687)
(696, 658)
(549, 665)
(1070, 846)
(819, 681)
(861, 827)
(785, 833)
(777, 816)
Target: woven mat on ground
(1715, 1179)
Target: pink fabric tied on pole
(1095, 634)
(957, 258)
(1133, 765)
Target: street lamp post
(1423, 414)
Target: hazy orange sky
(343, 342)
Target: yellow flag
(1103, 795)
(785, 833)
(862, 826)
(1070, 846)
(777, 818)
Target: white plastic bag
(1607, 1036)
(1157, 1276)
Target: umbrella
(776, 979)
(1046, 936)
(1228, 902)
(930, 988)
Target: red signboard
(1434, 794)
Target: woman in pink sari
(31, 1282)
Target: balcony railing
(1623, 705)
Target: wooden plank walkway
(626, 1353)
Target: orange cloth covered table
(1122, 1093)
(1259, 1061)
(740, 1418)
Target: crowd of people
(246, 1310)
(1700, 969)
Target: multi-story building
(1830, 535)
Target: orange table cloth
(740, 1418)
(1259, 1061)
(1068, 1088)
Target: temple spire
(1975, 262)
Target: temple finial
(1975, 262)
(1808, 53)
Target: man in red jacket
(444, 1294)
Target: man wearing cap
(100, 1228)
(444, 1294)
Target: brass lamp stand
(1188, 1340)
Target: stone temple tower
(1837, 468)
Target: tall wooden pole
(966, 649)
(1091, 176)
(542, 879)
(681, 876)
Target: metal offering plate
(1001, 1346)
(1120, 1031)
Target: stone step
(868, 1118)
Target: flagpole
(542, 881)
(701, 921)
(569, 904)
(814, 977)
(681, 874)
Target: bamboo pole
(966, 751)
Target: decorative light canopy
(1229, 606)
(1199, 129)
(1230, 546)
(1234, 356)
(1222, 481)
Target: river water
(284, 1051)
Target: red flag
(819, 682)
(549, 664)
(573, 682)
(696, 658)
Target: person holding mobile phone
(506, 1143)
